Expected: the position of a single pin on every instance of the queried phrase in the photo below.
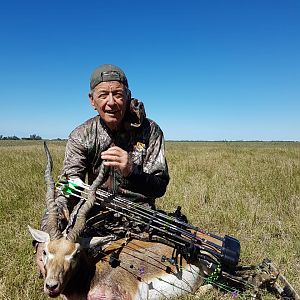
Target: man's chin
(112, 122)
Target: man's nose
(111, 99)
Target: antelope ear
(38, 235)
(96, 241)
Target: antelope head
(61, 258)
(62, 253)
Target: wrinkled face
(60, 258)
(110, 100)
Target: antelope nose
(51, 285)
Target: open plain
(250, 190)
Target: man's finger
(110, 151)
(111, 163)
(111, 157)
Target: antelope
(123, 269)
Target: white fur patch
(70, 256)
(170, 285)
(50, 256)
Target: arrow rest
(178, 215)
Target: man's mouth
(111, 112)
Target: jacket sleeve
(74, 165)
(75, 161)
(151, 179)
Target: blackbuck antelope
(123, 269)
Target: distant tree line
(31, 137)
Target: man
(130, 145)
(120, 137)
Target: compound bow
(220, 255)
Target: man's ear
(92, 100)
(128, 94)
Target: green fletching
(69, 188)
(215, 275)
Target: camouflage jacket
(141, 137)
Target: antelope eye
(44, 253)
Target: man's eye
(102, 96)
(119, 95)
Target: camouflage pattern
(141, 137)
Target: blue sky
(206, 70)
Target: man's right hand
(119, 158)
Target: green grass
(250, 190)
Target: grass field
(250, 190)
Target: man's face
(110, 100)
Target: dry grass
(248, 190)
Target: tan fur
(60, 262)
(139, 262)
(61, 247)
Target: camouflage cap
(107, 72)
